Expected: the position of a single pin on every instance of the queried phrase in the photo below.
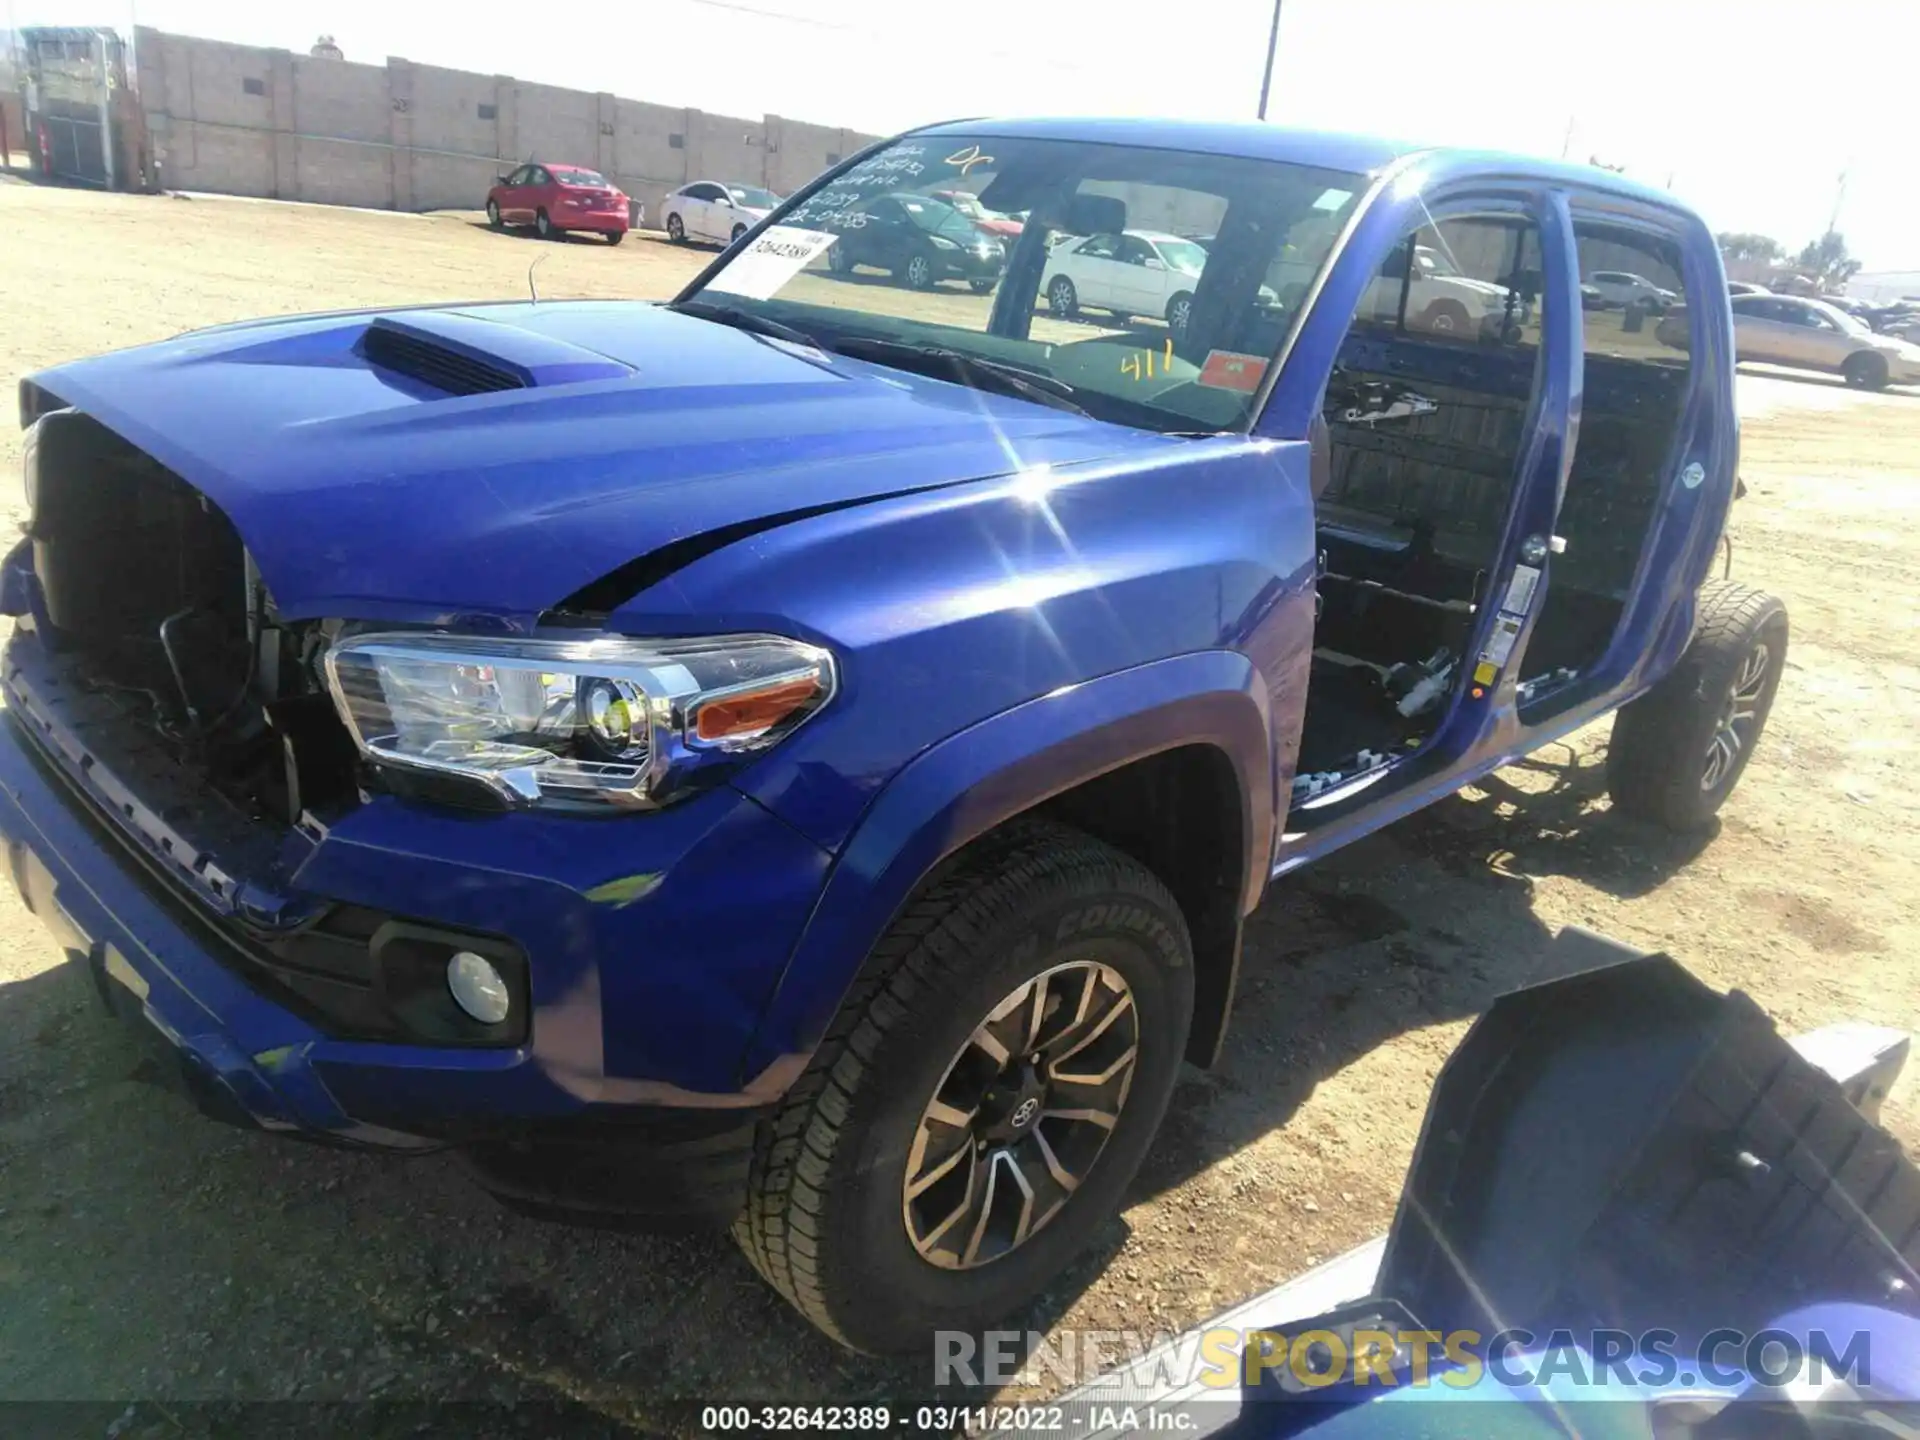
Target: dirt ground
(146, 1252)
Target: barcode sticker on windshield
(770, 261)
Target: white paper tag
(1500, 642)
(1520, 593)
(770, 261)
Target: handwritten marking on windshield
(1140, 366)
(968, 158)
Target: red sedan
(554, 199)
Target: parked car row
(1809, 335)
(555, 200)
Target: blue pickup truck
(802, 755)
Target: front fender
(1003, 767)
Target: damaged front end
(161, 652)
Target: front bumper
(646, 987)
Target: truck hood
(365, 492)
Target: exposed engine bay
(157, 616)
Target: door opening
(1426, 413)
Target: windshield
(1432, 262)
(753, 196)
(1183, 255)
(875, 255)
(579, 177)
(1847, 321)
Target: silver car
(1811, 335)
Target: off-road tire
(1866, 371)
(823, 1222)
(1657, 759)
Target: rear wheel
(917, 273)
(676, 230)
(614, 237)
(1445, 317)
(1678, 750)
(543, 226)
(986, 1092)
(1866, 371)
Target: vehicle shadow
(244, 1267)
(1756, 371)
(527, 232)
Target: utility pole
(1273, 46)
(1839, 195)
(1566, 141)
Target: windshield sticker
(1519, 599)
(1230, 370)
(772, 260)
(1332, 199)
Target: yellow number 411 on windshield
(1140, 366)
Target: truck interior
(1425, 419)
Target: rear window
(580, 177)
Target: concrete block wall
(238, 119)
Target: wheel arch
(1169, 762)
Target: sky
(1750, 113)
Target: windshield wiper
(743, 320)
(965, 369)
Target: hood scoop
(460, 354)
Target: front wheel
(982, 1099)
(1445, 317)
(1866, 371)
(1062, 299)
(1678, 750)
(738, 231)
(1179, 313)
(493, 214)
(676, 230)
(982, 287)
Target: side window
(1427, 409)
(1135, 251)
(1100, 247)
(1638, 371)
(1469, 281)
(538, 176)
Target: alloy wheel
(919, 273)
(1737, 720)
(1021, 1115)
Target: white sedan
(1137, 272)
(708, 210)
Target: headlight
(944, 243)
(596, 722)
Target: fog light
(477, 987)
